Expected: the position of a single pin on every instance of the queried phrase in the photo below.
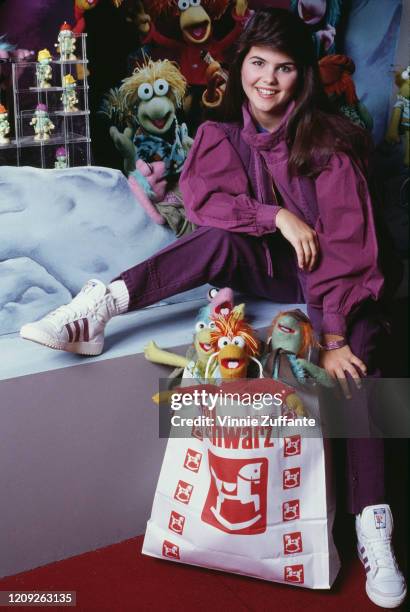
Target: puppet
(400, 121)
(291, 341)
(336, 75)
(234, 345)
(193, 23)
(154, 145)
(322, 16)
(196, 359)
(81, 7)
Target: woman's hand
(301, 236)
(339, 361)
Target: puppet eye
(195, 2)
(145, 91)
(161, 87)
(183, 5)
(200, 326)
(213, 293)
(238, 341)
(224, 341)
(212, 325)
(406, 73)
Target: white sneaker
(385, 584)
(77, 327)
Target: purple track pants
(223, 258)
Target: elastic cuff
(266, 218)
(119, 292)
(334, 323)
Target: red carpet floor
(118, 578)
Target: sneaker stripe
(70, 332)
(362, 549)
(85, 330)
(77, 331)
(365, 560)
(367, 568)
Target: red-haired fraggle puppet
(194, 19)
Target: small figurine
(69, 95)
(44, 72)
(42, 123)
(61, 159)
(4, 126)
(400, 121)
(66, 43)
(216, 79)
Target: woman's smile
(269, 80)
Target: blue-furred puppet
(154, 145)
(322, 16)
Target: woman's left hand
(339, 361)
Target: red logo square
(291, 478)
(294, 573)
(192, 460)
(292, 446)
(292, 543)
(291, 510)
(170, 550)
(236, 501)
(183, 492)
(176, 522)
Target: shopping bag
(253, 500)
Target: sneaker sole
(378, 598)
(382, 600)
(79, 348)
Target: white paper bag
(249, 500)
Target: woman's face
(269, 80)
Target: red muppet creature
(194, 18)
(80, 7)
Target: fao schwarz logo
(176, 522)
(291, 478)
(291, 510)
(192, 460)
(170, 550)
(237, 496)
(294, 573)
(183, 492)
(292, 445)
(292, 543)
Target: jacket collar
(263, 140)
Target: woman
(284, 213)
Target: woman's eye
(285, 69)
(257, 63)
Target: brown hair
(315, 130)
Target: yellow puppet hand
(294, 403)
(241, 6)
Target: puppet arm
(319, 374)
(393, 135)
(158, 38)
(220, 46)
(157, 355)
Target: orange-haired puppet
(81, 6)
(336, 75)
(234, 344)
(194, 19)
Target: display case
(57, 103)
